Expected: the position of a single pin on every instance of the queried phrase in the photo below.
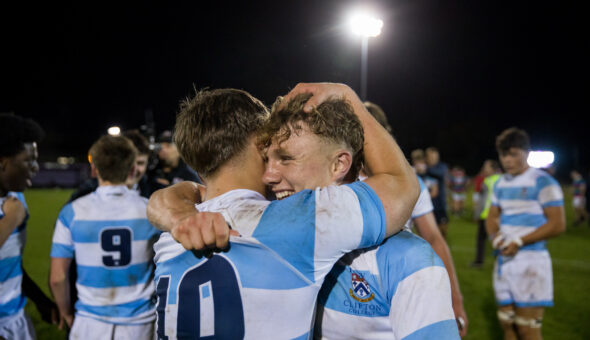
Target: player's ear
(341, 165)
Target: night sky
(451, 74)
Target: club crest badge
(360, 291)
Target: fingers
(202, 231)
(221, 230)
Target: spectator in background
(171, 168)
(419, 164)
(579, 197)
(477, 184)
(458, 185)
(18, 164)
(138, 180)
(439, 171)
(490, 171)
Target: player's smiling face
(18, 170)
(304, 161)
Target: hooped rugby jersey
(522, 199)
(12, 300)
(108, 233)
(423, 205)
(398, 290)
(265, 286)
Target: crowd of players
(332, 256)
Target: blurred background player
(579, 197)
(490, 171)
(458, 182)
(439, 171)
(477, 184)
(138, 180)
(527, 209)
(18, 164)
(108, 234)
(171, 167)
(419, 163)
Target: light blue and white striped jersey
(398, 290)
(265, 286)
(12, 300)
(109, 235)
(423, 205)
(522, 199)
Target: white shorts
(525, 280)
(18, 327)
(85, 328)
(458, 196)
(579, 202)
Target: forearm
(167, 206)
(442, 250)
(60, 289)
(544, 232)
(493, 222)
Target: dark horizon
(450, 75)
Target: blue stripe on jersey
(523, 220)
(295, 238)
(558, 203)
(100, 277)
(545, 181)
(269, 273)
(402, 255)
(66, 215)
(441, 330)
(20, 227)
(373, 214)
(124, 310)
(13, 306)
(539, 245)
(421, 183)
(61, 250)
(10, 267)
(516, 193)
(303, 337)
(85, 231)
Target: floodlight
(365, 25)
(114, 131)
(540, 159)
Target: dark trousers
(480, 241)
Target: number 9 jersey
(265, 286)
(111, 239)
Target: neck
(229, 178)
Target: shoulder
(407, 253)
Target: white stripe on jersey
(92, 296)
(10, 289)
(411, 312)
(514, 207)
(14, 245)
(86, 253)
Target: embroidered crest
(361, 291)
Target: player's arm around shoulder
(12, 215)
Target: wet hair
(113, 157)
(333, 120)
(512, 138)
(15, 132)
(214, 126)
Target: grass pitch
(570, 253)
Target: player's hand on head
(15, 210)
(321, 92)
(202, 231)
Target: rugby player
(111, 240)
(527, 209)
(290, 244)
(298, 143)
(18, 164)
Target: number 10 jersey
(265, 286)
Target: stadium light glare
(541, 159)
(365, 25)
(114, 131)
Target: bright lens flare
(114, 131)
(365, 25)
(540, 159)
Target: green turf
(570, 253)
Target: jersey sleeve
(494, 195)
(416, 278)
(550, 193)
(424, 204)
(314, 228)
(63, 244)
